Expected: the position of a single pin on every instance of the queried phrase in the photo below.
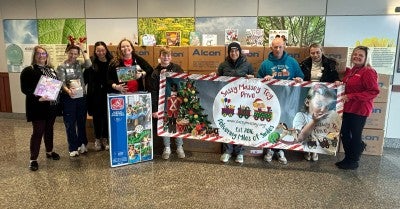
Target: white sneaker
(105, 144)
(225, 157)
(97, 145)
(314, 156)
(307, 156)
(281, 157)
(268, 156)
(74, 154)
(166, 153)
(239, 159)
(180, 152)
(82, 149)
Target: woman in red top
(361, 87)
(126, 57)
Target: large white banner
(251, 112)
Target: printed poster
(255, 37)
(173, 38)
(284, 34)
(250, 112)
(231, 35)
(195, 38)
(209, 39)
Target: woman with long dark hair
(97, 88)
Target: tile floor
(198, 181)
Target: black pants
(100, 124)
(351, 131)
(42, 129)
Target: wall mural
(160, 26)
(22, 35)
(303, 30)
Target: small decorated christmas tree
(190, 117)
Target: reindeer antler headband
(72, 40)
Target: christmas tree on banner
(190, 117)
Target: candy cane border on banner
(207, 137)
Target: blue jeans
(167, 141)
(74, 114)
(232, 148)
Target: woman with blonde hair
(361, 82)
(41, 111)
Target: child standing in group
(153, 86)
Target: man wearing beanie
(235, 65)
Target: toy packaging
(130, 128)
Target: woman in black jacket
(39, 110)
(318, 67)
(97, 87)
(126, 57)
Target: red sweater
(361, 89)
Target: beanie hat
(234, 45)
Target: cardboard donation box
(146, 52)
(205, 59)
(339, 54)
(374, 140)
(130, 128)
(384, 87)
(377, 118)
(297, 53)
(90, 129)
(180, 56)
(254, 55)
(193, 145)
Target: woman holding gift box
(126, 57)
(73, 99)
(361, 82)
(39, 110)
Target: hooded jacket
(285, 68)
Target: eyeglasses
(44, 54)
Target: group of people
(99, 74)
(361, 87)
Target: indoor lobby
(198, 181)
